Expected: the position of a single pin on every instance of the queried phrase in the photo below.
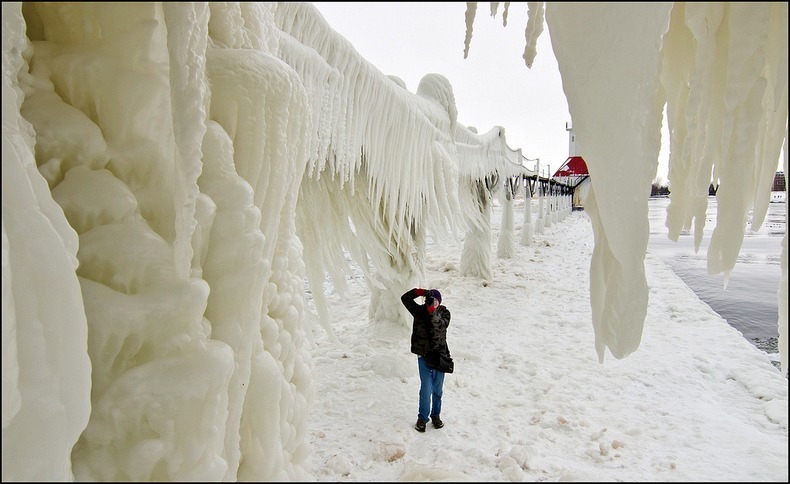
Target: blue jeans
(431, 382)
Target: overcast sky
(492, 86)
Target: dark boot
(420, 425)
(437, 422)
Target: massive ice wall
(46, 370)
(172, 173)
(169, 135)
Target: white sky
(492, 86)
(695, 402)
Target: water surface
(749, 302)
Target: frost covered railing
(387, 167)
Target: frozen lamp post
(527, 229)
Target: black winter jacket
(429, 331)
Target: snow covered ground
(529, 400)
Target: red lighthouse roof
(573, 166)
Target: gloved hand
(431, 309)
(419, 292)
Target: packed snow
(191, 189)
(528, 400)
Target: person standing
(428, 338)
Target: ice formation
(173, 174)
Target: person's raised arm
(408, 299)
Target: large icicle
(534, 28)
(726, 76)
(617, 58)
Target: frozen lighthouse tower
(574, 171)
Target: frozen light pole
(526, 228)
(549, 198)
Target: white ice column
(555, 208)
(539, 223)
(475, 256)
(506, 243)
(526, 229)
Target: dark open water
(749, 302)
